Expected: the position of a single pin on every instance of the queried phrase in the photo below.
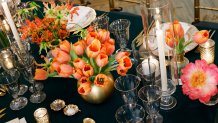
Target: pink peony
(200, 80)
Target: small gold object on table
(88, 120)
(207, 51)
(41, 115)
(71, 110)
(57, 105)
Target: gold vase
(100, 94)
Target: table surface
(186, 111)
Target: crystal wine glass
(120, 29)
(12, 84)
(9, 65)
(151, 96)
(28, 72)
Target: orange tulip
(101, 80)
(103, 35)
(62, 57)
(77, 73)
(40, 74)
(84, 80)
(121, 71)
(55, 66)
(79, 63)
(78, 47)
(103, 49)
(121, 54)
(110, 47)
(101, 60)
(88, 70)
(91, 37)
(65, 46)
(93, 49)
(201, 36)
(169, 38)
(84, 88)
(65, 70)
(55, 51)
(125, 62)
(177, 28)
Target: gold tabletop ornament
(71, 110)
(57, 105)
(41, 115)
(207, 51)
(88, 120)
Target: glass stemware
(151, 96)
(128, 86)
(120, 29)
(9, 65)
(28, 73)
(12, 84)
(130, 113)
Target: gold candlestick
(207, 51)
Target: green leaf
(95, 66)
(52, 74)
(73, 54)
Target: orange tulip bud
(94, 48)
(169, 38)
(65, 46)
(84, 80)
(101, 80)
(77, 73)
(101, 60)
(177, 28)
(88, 70)
(65, 70)
(201, 36)
(55, 51)
(55, 66)
(78, 48)
(62, 57)
(110, 47)
(40, 74)
(79, 63)
(103, 35)
(90, 37)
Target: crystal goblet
(120, 29)
(12, 84)
(130, 113)
(146, 71)
(128, 86)
(151, 96)
(28, 72)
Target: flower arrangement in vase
(175, 37)
(89, 60)
(51, 29)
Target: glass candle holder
(41, 115)
(207, 51)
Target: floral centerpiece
(200, 80)
(90, 60)
(51, 29)
(175, 33)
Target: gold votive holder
(41, 115)
(6, 59)
(207, 51)
(88, 120)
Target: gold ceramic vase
(182, 61)
(100, 94)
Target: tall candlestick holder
(156, 17)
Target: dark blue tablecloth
(186, 111)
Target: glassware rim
(138, 83)
(125, 105)
(141, 89)
(141, 68)
(160, 5)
